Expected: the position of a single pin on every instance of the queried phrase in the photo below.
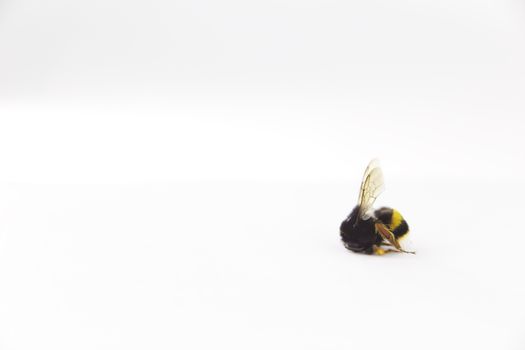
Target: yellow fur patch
(379, 251)
(396, 219)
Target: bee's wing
(371, 188)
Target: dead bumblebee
(368, 231)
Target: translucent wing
(371, 188)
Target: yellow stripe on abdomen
(396, 219)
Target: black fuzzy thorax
(359, 235)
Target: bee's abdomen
(394, 220)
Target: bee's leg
(381, 251)
(389, 237)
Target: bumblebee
(373, 231)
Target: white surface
(199, 265)
(173, 174)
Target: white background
(173, 173)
